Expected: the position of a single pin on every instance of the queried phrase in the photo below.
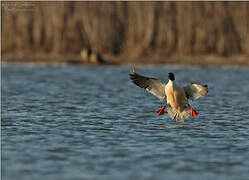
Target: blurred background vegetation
(149, 32)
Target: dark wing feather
(152, 85)
(195, 91)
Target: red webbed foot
(161, 111)
(193, 112)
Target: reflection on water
(90, 122)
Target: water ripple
(90, 122)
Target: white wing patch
(195, 91)
(152, 85)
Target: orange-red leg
(161, 111)
(193, 112)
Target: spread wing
(195, 91)
(152, 85)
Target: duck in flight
(177, 97)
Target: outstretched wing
(195, 91)
(152, 85)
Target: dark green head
(171, 76)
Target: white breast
(175, 96)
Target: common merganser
(176, 96)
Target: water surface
(91, 122)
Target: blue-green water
(90, 122)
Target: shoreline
(202, 61)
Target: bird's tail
(179, 116)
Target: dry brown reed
(131, 29)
